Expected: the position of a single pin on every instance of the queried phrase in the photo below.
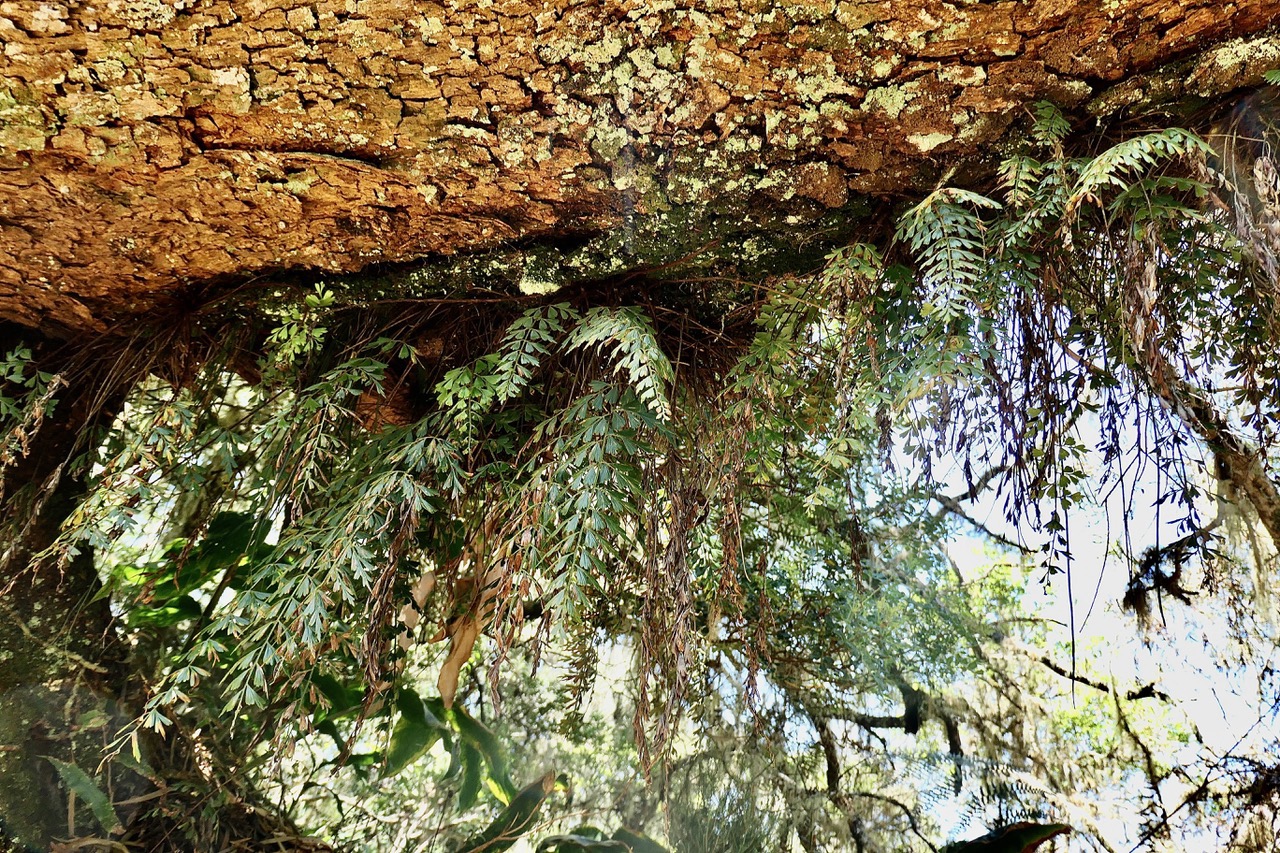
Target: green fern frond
(1051, 126)
(635, 351)
(589, 485)
(1112, 168)
(1019, 177)
(528, 340)
(468, 393)
(946, 234)
(858, 259)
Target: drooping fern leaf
(946, 234)
(635, 351)
(528, 340)
(1051, 126)
(1113, 167)
(1019, 176)
(588, 485)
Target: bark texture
(155, 151)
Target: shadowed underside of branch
(154, 155)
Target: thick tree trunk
(61, 674)
(154, 152)
(68, 685)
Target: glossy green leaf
(481, 738)
(1022, 837)
(574, 843)
(343, 699)
(169, 613)
(638, 842)
(415, 733)
(471, 771)
(514, 821)
(80, 783)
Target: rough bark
(155, 151)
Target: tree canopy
(662, 534)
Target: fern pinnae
(1050, 127)
(635, 351)
(1019, 176)
(527, 341)
(947, 235)
(1112, 167)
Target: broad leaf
(79, 783)
(514, 821)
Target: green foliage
(634, 350)
(83, 786)
(947, 234)
(747, 510)
(589, 839)
(727, 823)
(514, 821)
(419, 728)
(529, 339)
(27, 396)
(1114, 167)
(1017, 838)
(299, 331)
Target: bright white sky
(1182, 657)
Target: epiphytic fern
(635, 351)
(947, 236)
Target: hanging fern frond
(1051, 126)
(1019, 177)
(946, 234)
(1114, 167)
(635, 351)
(528, 340)
(588, 487)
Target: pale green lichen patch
(22, 124)
(975, 127)
(1127, 94)
(963, 75)
(723, 171)
(143, 14)
(807, 10)
(639, 185)
(1239, 62)
(90, 109)
(890, 100)
(1071, 92)
(820, 80)
(597, 54)
(540, 274)
(745, 221)
(853, 15)
(300, 182)
(926, 142)
(607, 141)
(881, 69)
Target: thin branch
(1146, 691)
(911, 818)
(952, 505)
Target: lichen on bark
(154, 152)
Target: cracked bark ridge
(154, 150)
